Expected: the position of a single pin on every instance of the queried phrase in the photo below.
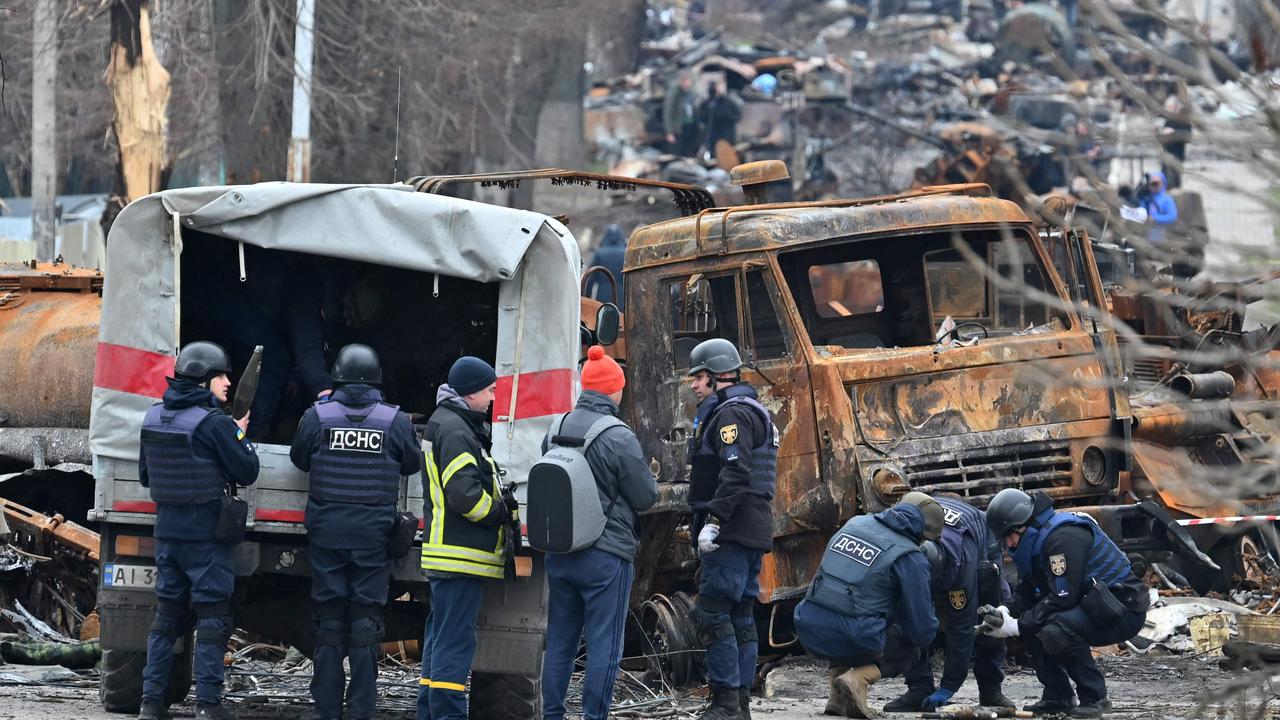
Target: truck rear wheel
(120, 684)
(497, 696)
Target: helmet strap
(733, 379)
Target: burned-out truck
(923, 341)
(932, 341)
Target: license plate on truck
(115, 575)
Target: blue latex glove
(937, 699)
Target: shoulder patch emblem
(958, 599)
(1058, 564)
(729, 434)
(951, 516)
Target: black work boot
(744, 703)
(1047, 706)
(1092, 709)
(214, 712)
(909, 701)
(153, 710)
(724, 704)
(994, 697)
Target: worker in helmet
(355, 448)
(965, 575)
(191, 451)
(1076, 590)
(733, 456)
(868, 610)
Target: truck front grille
(980, 473)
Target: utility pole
(299, 169)
(44, 128)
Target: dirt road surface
(1141, 687)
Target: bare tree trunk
(559, 134)
(140, 90)
(44, 128)
(614, 46)
(208, 102)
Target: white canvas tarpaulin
(533, 258)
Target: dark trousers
(587, 594)
(988, 665)
(195, 575)
(449, 646)
(1061, 654)
(348, 592)
(730, 578)
(686, 144)
(850, 641)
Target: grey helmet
(1009, 510)
(357, 363)
(715, 356)
(201, 361)
(932, 511)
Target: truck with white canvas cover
(423, 279)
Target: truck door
(739, 303)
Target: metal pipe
(1215, 385)
(1170, 424)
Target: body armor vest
(704, 459)
(177, 473)
(1104, 561)
(353, 463)
(856, 575)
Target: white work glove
(1007, 627)
(707, 538)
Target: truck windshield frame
(897, 290)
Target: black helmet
(201, 361)
(1009, 510)
(357, 363)
(716, 356)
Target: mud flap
(1181, 541)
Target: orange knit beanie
(601, 373)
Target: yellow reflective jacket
(465, 529)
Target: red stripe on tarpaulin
(270, 515)
(131, 370)
(541, 393)
(138, 506)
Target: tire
(120, 683)
(505, 697)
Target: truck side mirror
(608, 323)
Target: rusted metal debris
(37, 531)
(53, 568)
(49, 329)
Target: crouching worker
(873, 575)
(588, 588)
(191, 452)
(355, 447)
(1076, 590)
(965, 575)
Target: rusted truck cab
(838, 308)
